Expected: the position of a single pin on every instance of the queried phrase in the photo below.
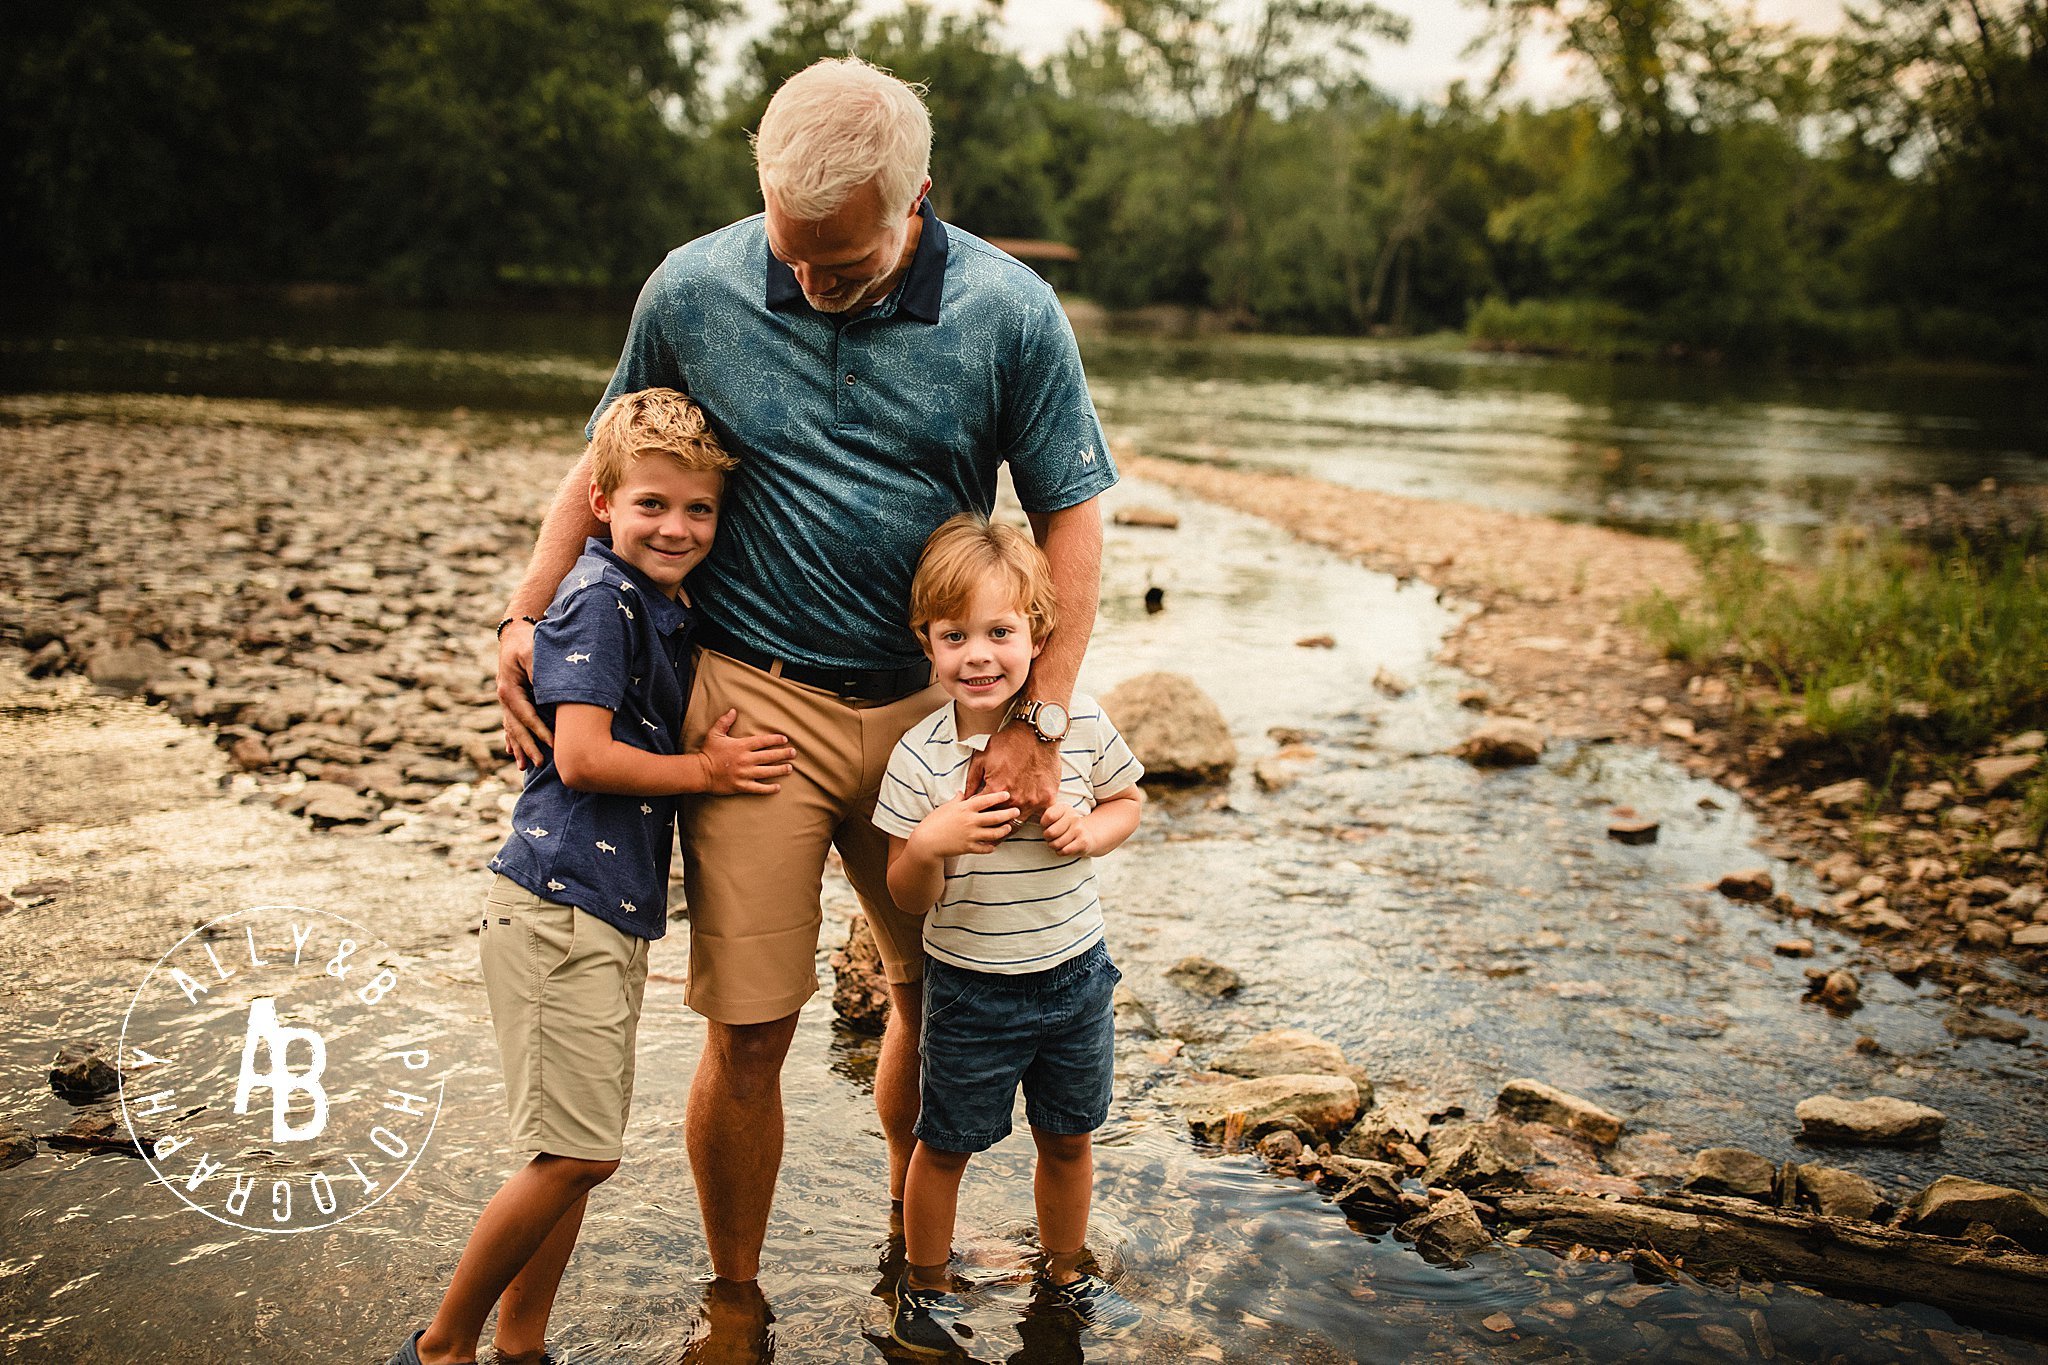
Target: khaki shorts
(565, 991)
(753, 865)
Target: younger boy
(582, 884)
(1017, 982)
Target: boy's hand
(966, 824)
(524, 731)
(735, 765)
(1066, 830)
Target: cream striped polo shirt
(1024, 907)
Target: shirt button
(849, 379)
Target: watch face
(1050, 720)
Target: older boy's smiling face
(983, 657)
(662, 517)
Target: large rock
(126, 668)
(860, 990)
(1533, 1100)
(1840, 1194)
(81, 1073)
(1204, 977)
(1290, 1052)
(1952, 1204)
(1842, 797)
(1173, 728)
(1994, 774)
(1311, 1106)
(1503, 742)
(1450, 1231)
(1478, 1156)
(1751, 884)
(1880, 1121)
(1371, 1190)
(1395, 1121)
(1733, 1171)
(17, 1145)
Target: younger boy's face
(662, 517)
(983, 657)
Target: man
(872, 368)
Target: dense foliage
(1723, 187)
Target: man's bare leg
(896, 1075)
(734, 1135)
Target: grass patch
(1892, 651)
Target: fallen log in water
(1837, 1254)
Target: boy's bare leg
(896, 1074)
(1063, 1186)
(733, 1130)
(931, 1199)
(520, 1218)
(524, 1306)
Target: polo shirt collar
(667, 613)
(919, 295)
(946, 731)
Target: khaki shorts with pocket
(753, 865)
(565, 990)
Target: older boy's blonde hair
(653, 422)
(968, 551)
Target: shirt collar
(919, 295)
(947, 731)
(667, 613)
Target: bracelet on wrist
(530, 620)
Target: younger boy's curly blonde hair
(653, 422)
(968, 551)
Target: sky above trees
(1422, 69)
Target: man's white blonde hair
(833, 127)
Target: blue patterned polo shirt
(611, 638)
(857, 436)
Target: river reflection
(1641, 446)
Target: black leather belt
(853, 684)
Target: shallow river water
(1449, 928)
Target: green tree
(520, 142)
(1225, 66)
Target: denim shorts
(985, 1032)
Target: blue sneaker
(926, 1320)
(1101, 1309)
(408, 1354)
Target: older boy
(1017, 982)
(582, 884)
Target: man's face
(846, 260)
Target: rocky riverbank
(1944, 882)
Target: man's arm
(568, 524)
(1016, 760)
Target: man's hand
(966, 824)
(1067, 830)
(746, 764)
(524, 732)
(1018, 762)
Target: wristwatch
(1048, 718)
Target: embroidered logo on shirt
(1087, 454)
(603, 847)
(629, 907)
(554, 885)
(536, 832)
(626, 609)
(646, 809)
(579, 658)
